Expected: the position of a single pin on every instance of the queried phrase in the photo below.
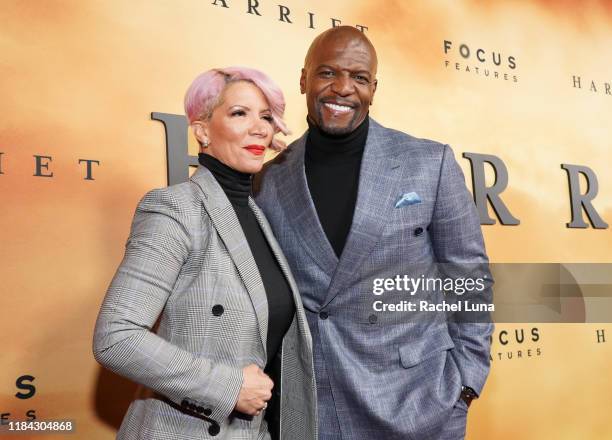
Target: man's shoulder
(405, 142)
(271, 169)
(273, 164)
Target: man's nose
(343, 85)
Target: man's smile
(338, 108)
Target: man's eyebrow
(359, 71)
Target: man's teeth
(338, 108)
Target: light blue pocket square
(408, 199)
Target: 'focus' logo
(478, 61)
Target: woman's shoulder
(180, 201)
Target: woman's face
(239, 129)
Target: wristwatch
(467, 395)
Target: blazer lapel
(280, 257)
(379, 185)
(295, 197)
(228, 227)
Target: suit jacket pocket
(414, 352)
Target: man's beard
(335, 130)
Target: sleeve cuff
(230, 383)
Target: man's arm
(457, 239)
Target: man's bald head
(339, 79)
(343, 35)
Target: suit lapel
(295, 197)
(280, 257)
(228, 227)
(379, 186)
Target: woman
(202, 259)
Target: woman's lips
(257, 150)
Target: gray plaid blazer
(379, 375)
(188, 265)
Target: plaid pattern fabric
(187, 264)
(380, 375)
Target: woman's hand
(255, 392)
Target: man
(351, 202)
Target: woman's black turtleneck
(332, 165)
(237, 188)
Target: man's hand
(255, 392)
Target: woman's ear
(200, 131)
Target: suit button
(372, 319)
(184, 403)
(217, 310)
(418, 231)
(323, 315)
(214, 429)
(200, 409)
(207, 412)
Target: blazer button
(373, 319)
(218, 310)
(418, 231)
(200, 409)
(207, 412)
(323, 315)
(214, 429)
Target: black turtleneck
(237, 188)
(332, 165)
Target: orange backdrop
(80, 79)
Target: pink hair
(205, 92)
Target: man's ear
(303, 82)
(374, 91)
(200, 131)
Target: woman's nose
(260, 128)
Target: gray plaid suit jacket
(187, 262)
(379, 376)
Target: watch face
(467, 395)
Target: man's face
(339, 83)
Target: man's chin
(335, 129)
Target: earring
(205, 144)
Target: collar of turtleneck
(235, 184)
(325, 147)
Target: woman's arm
(158, 245)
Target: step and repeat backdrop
(521, 90)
